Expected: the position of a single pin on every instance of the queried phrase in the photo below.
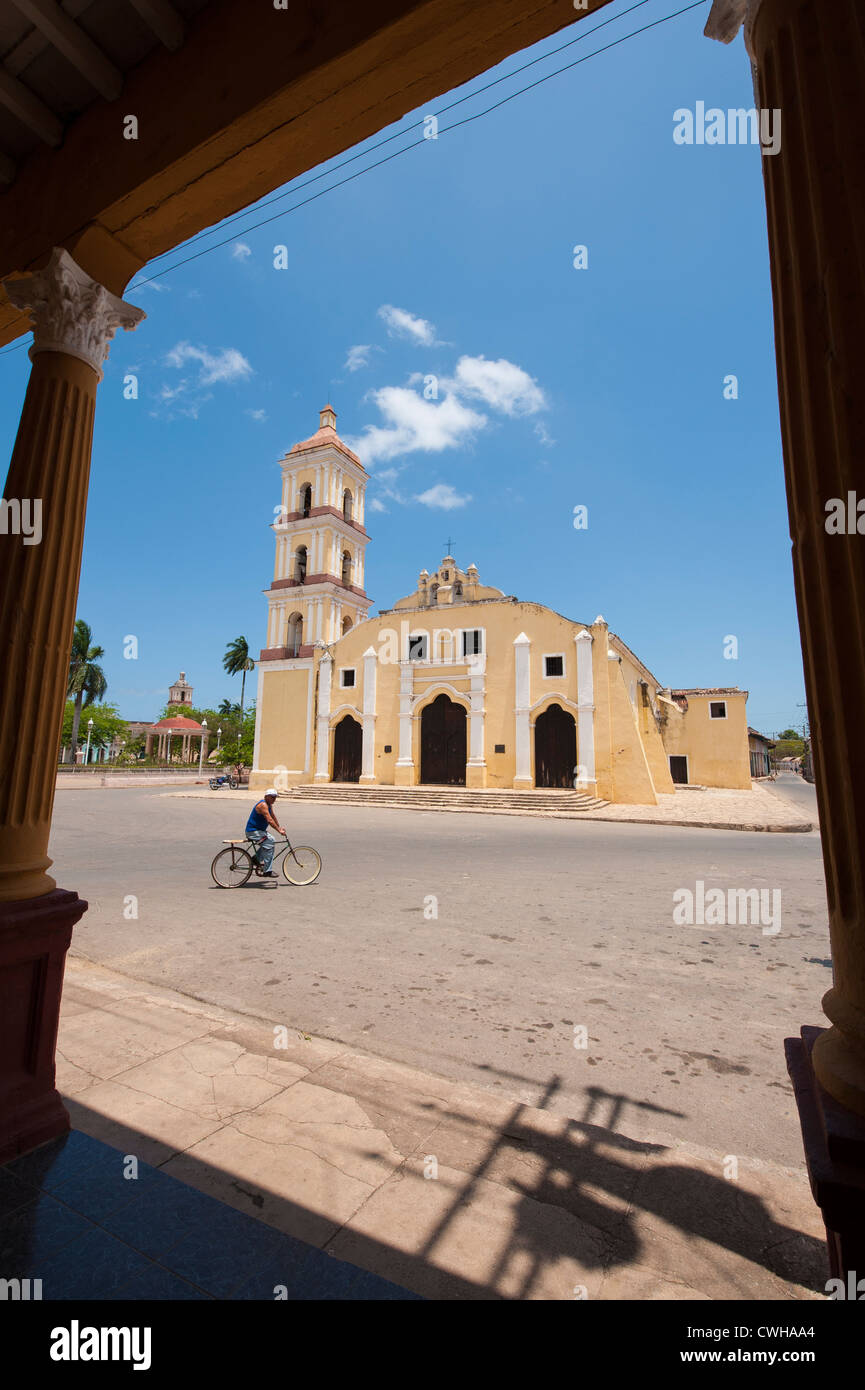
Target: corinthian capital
(726, 18)
(71, 312)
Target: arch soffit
(339, 713)
(440, 688)
(551, 698)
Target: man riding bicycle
(260, 817)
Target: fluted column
(73, 321)
(809, 57)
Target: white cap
(271, 791)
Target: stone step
(452, 798)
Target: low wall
(81, 781)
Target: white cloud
(414, 425)
(257, 414)
(543, 434)
(376, 506)
(444, 497)
(401, 324)
(502, 385)
(358, 356)
(240, 251)
(226, 365)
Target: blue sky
(558, 387)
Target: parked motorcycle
(226, 781)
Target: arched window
(433, 593)
(346, 567)
(306, 499)
(347, 502)
(300, 565)
(458, 590)
(346, 625)
(294, 634)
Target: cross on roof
(449, 544)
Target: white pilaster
(476, 714)
(406, 690)
(322, 747)
(522, 702)
(370, 664)
(585, 706)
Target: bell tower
(317, 593)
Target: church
(458, 683)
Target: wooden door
(443, 743)
(347, 750)
(555, 748)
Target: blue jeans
(266, 846)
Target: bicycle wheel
(231, 867)
(301, 865)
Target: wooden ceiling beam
(78, 49)
(29, 110)
(163, 20)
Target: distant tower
(180, 693)
(317, 592)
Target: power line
(388, 139)
(415, 144)
(285, 212)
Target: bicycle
(232, 867)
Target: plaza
(413, 1035)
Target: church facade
(458, 683)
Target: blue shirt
(256, 819)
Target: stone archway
(555, 748)
(347, 750)
(443, 743)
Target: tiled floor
(70, 1217)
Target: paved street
(543, 926)
(795, 790)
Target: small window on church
(473, 642)
(347, 677)
(417, 647)
(718, 709)
(554, 665)
(445, 576)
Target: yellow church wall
(653, 745)
(716, 749)
(283, 708)
(632, 779)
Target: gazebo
(167, 728)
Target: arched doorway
(443, 743)
(347, 750)
(555, 748)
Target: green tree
(107, 724)
(236, 659)
(86, 681)
(237, 750)
(790, 733)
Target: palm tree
(229, 707)
(236, 659)
(86, 681)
